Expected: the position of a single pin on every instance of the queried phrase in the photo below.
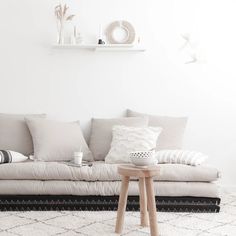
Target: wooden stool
(147, 196)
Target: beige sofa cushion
(101, 133)
(172, 134)
(100, 172)
(31, 187)
(57, 141)
(14, 133)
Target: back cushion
(57, 141)
(173, 131)
(14, 133)
(101, 133)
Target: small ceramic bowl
(143, 158)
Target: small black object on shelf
(100, 41)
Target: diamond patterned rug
(70, 223)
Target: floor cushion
(100, 171)
(55, 187)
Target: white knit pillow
(129, 139)
(181, 157)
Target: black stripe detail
(10, 157)
(5, 156)
(1, 157)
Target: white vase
(61, 34)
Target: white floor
(102, 223)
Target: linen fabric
(173, 129)
(57, 141)
(130, 139)
(100, 171)
(36, 187)
(7, 156)
(181, 157)
(14, 133)
(101, 133)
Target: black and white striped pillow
(7, 156)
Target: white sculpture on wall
(191, 50)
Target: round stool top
(131, 170)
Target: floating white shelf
(106, 47)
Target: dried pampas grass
(62, 17)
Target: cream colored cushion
(57, 141)
(14, 133)
(34, 187)
(100, 171)
(101, 133)
(130, 139)
(173, 129)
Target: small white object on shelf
(106, 47)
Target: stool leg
(122, 204)
(143, 202)
(151, 206)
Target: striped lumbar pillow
(7, 156)
(181, 157)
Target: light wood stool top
(146, 192)
(142, 172)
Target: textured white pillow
(181, 157)
(101, 133)
(7, 156)
(129, 139)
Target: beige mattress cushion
(32, 187)
(100, 172)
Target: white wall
(71, 85)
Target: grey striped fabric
(181, 157)
(7, 156)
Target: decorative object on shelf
(76, 38)
(120, 32)
(62, 17)
(100, 37)
(100, 41)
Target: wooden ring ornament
(126, 26)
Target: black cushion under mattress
(104, 203)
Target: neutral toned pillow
(7, 156)
(130, 139)
(57, 141)
(181, 157)
(173, 129)
(14, 133)
(101, 133)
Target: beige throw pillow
(57, 141)
(101, 133)
(173, 131)
(14, 133)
